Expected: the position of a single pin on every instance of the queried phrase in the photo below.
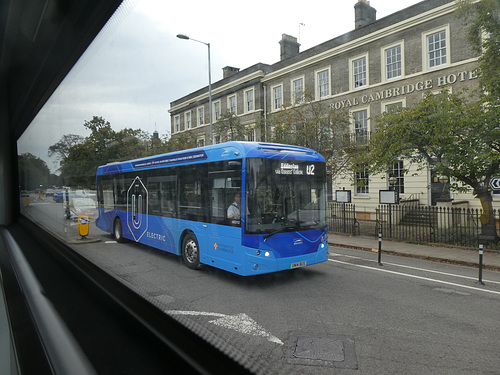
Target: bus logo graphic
(137, 209)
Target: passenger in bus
(233, 211)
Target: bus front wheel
(117, 231)
(191, 252)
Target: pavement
(440, 253)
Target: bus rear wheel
(191, 252)
(117, 231)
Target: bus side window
(223, 188)
(154, 196)
(169, 197)
(106, 195)
(217, 200)
(193, 191)
(121, 194)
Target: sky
(137, 66)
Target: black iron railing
(342, 218)
(449, 225)
(417, 223)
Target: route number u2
(310, 169)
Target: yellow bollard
(83, 226)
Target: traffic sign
(495, 183)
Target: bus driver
(233, 211)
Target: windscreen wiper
(282, 229)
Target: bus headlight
(266, 253)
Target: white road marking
(420, 269)
(415, 277)
(110, 242)
(240, 322)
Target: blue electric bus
(244, 207)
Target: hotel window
(277, 97)
(177, 121)
(251, 135)
(201, 142)
(232, 104)
(216, 111)
(249, 100)
(201, 116)
(359, 72)
(362, 181)
(398, 173)
(298, 90)
(391, 107)
(361, 126)
(437, 48)
(393, 62)
(323, 82)
(188, 120)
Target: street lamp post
(393, 181)
(185, 37)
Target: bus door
(224, 189)
(137, 209)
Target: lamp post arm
(185, 37)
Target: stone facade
(391, 61)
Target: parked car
(86, 193)
(60, 197)
(83, 207)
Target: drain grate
(321, 350)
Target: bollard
(380, 249)
(480, 281)
(83, 227)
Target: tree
(80, 156)
(229, 128)
(127, 144)
(181, 141)
(454, 135)
(33, 172)
(483, 18)
(79, 167)
(61, 149)
(314, 124)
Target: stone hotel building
(380, 63)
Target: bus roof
(217, 152)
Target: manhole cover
(321, 350)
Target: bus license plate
(298, 264)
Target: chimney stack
(364, 14)
(289, 46)
(228, 71)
